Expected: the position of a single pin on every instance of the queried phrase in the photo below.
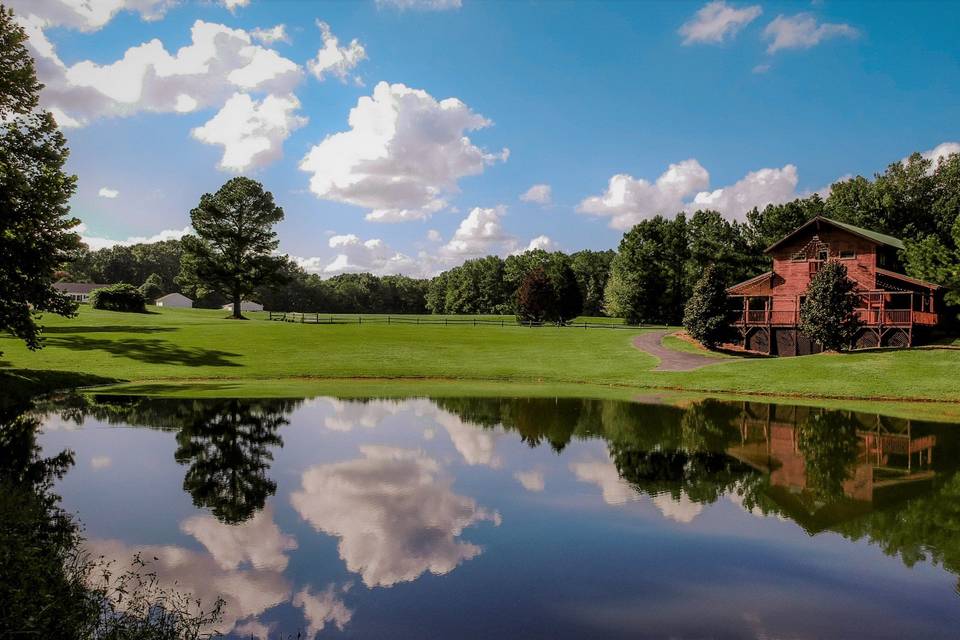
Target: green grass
(679, 344)
(202, 348)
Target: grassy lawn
(202, 348)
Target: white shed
(177, 300)
(245, 305)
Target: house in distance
(175, 300)
(895, 309)
(78, 291)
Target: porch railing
(869, 317)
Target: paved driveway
(671, 360)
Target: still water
(534, 518)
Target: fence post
(359, 319)
(444, 322)
(388, 319)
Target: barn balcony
(879, 308)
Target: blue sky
(749, 102)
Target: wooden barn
(895, 309)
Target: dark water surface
(534, 518)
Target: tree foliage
(232, 251)
(706, 316)
(536, 297)
(828, 314)
(35, 225)
(152, 288)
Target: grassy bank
(197, 346)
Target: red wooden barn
(895, 308)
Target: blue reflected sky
(401, 519)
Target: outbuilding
(78, 291)
(245, 305)
(176, 300)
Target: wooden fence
(320, 318)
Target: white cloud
(756, 189)
(354, 255)
(276, 33)
(940, 152)
(542, 242)
(106, 192)
(477, 446)
(421, 5)
(682, 509)
(257, 541)
(403, 153)
(538, 193)
(321, 608)
(434, 236)
(801, 31)
(232, 5)
(530, 480)
(333, 59)
(251, 132)
(716, 21)
(630, 200)
(481, 233)
(100, 462)
(349, 414)
(218, 62)
(95, 242)
(395, 517)
(761, 68)
(86, 15)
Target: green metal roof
(876, 236)
(873, 236)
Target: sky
(405, 136)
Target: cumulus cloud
(232, 5)
(251, 132)
(322, 608)
(94, 242)
(106, 192)
(717, 21)
(100, 462)
(434, 236)
(530, 480)
(481, 233)
(477, 446)
(354, 255)
(538, 193)
(801, 31)
(682, 187)
(333, 59)
(87, 16)
(629, 200)
(257, 541)
(276, 33)
(940, 152)
(756, 189)
(347, 415)
(396, 518)
(544, 243)
(404, 152)
(421, 5)
(218, 62)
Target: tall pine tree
(232, 251)
(828, 314)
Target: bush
(119, 297)
(705, 317)
(828, 314)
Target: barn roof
(873, 236)
(78, 287)
(752, 281)
(174, 295)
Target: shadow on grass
(19, 385)
(107, 329)
(175, 389)
(149, 350)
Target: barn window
(847, 254)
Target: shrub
(705, 316)
(119, 297)
(828, 315)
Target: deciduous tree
(706, 317)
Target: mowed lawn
(170, 345)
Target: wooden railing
(869, 317)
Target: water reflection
(375, 496)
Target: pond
(524, 517)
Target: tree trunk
(236, 306)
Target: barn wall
(796, 274)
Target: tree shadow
(150, 350)
(108, 329)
